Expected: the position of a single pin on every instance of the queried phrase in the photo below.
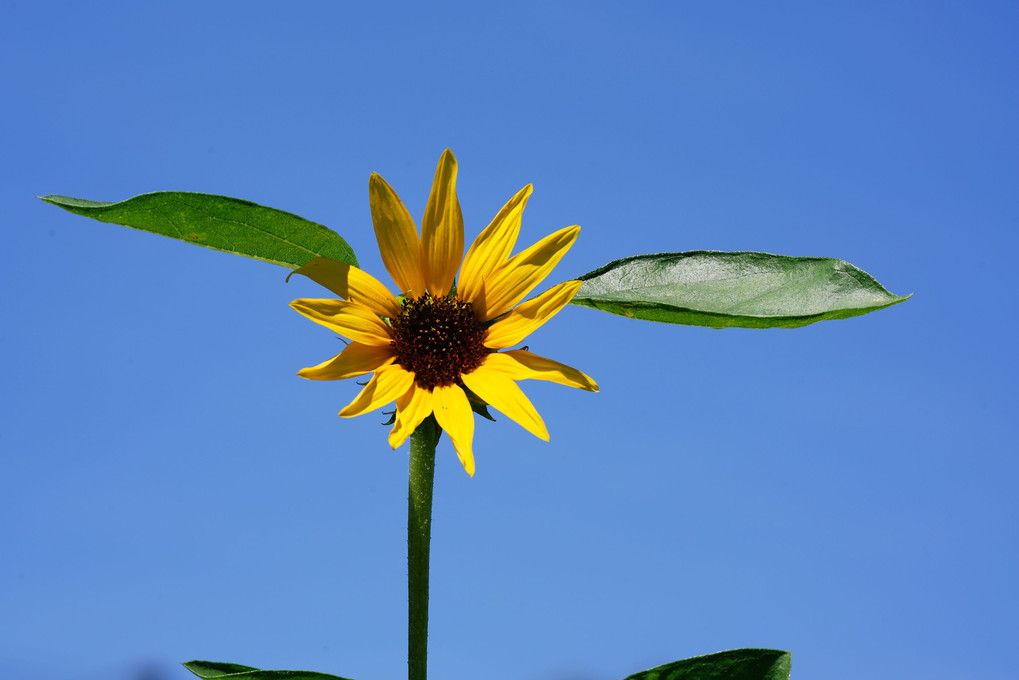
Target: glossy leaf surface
(233, 671)
(733, 290)
(221, 223)
(735, 664)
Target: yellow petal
(492, 246)
(411, 408)
(350, 283)
(526, 317)
(397, 236)
(349, 319)
(356, 359)
(442, 230)
(453, 413)
(522, 365)
(388, 383)
(499, 390)
(518, 276)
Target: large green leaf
(733, 290)
(736, 664)
(221, 223)
(207, 670)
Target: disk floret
(438, 339)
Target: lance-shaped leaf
(736, 664)
(208, 670)
(221, 223)
(733, 290)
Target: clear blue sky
(846, 491)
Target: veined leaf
(735, 664)
(733, 290)
(207, 670)
(221, 223)
(215, 669)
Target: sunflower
(440, 344)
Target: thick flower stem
(419, 533)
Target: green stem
(419, 534)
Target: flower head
(443, 339)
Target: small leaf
(478, 405)
(215, 669)
(733, 290)
(735, 664)
(232, 671)
(481, 408)
(221, 223)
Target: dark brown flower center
(438, 340)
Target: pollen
(438, 339)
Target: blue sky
(845, 490)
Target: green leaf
(478, 405)
(215, 669)
(221, 223)
(735, 664)
(233, 671)
(733, 290)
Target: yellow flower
(444, 337)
